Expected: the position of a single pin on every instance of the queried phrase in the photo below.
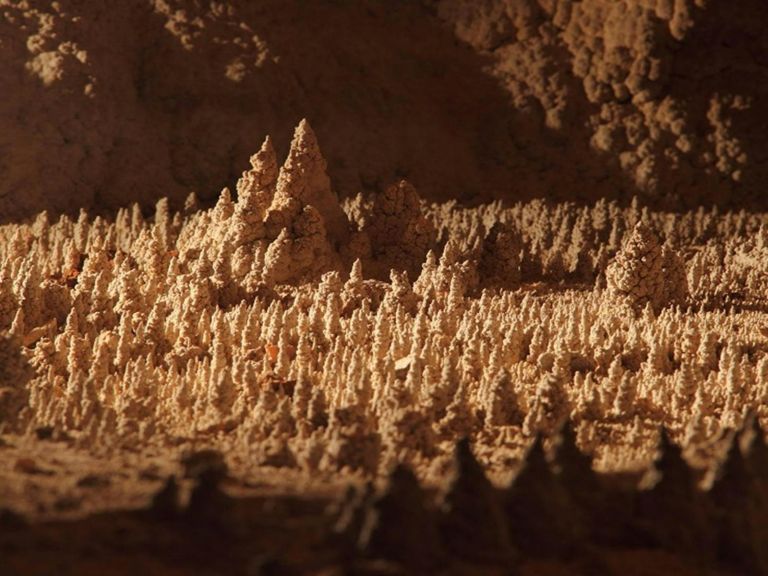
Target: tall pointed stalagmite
(400, 234)
(500, 256)
(645, 272)
(303, 181)
(580, 481)
(739, 514)
(730, 488)
(753, 441)
(255, 192)
(575, 466)
(304, 224)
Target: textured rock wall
(105, 103)
(671, 94)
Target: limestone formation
(644, 272)
(197, 332)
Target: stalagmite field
(512, 319)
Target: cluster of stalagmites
(558, 508)
(301, 334)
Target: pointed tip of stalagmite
(469, 475)
(356, 272)
(191, 203)
(264, 171)
(266, 155)
(466, 463)
(255, 193)
(165, 502)
(303, 181)
(732, 475)
(304, 161)
(567, 437)
(400, 525)
(225, 197)
(536, 457)
(402, 477)
(303, 129)
(264, 162)
(670, 462)
(667, 448)
(304, 141)
(468, 472)
(475, 526)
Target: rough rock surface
(570, 100)
(195, 385)
(672, 95)
(248, 329)
(645, 272)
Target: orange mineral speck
(272, 352)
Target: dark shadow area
(557, 514)
(172, 100)
(111, 105)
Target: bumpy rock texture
(573, 100)
(569, 381)
(259, 327)
(671, 94)
(647, 273)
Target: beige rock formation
(644, 272)
(398, 232)
(196, 328)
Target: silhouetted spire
(673, 513)
(740, 514)
(544, 520)
(401, 527)
(165, 503)
(575, 466)
(474, 526)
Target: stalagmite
(401, 527)
(303, 182)
(645, 272)
(399, 233)
(673, 511)
(475, 527)
(543, 519)
(255, 191)
(261, 328)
